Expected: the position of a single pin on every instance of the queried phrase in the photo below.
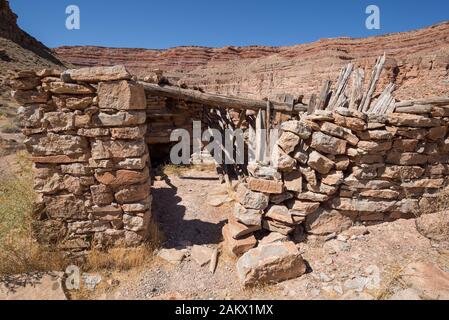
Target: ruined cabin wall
(336, 168)
(86, 137)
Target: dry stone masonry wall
(86, 132)
(337, 168)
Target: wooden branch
(215, 99)
(324, 95)
(436, 101)
(384, 100)
(341, 86)
(358, 78)
(312, 104)
(375, 75)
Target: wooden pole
(215, 99)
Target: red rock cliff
(418, 61)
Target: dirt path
(359, 267)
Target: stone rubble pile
(85, 131)
(336, 168)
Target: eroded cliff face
(417, 61)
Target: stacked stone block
(337, 168)
(85, 130)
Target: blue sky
(163, 24)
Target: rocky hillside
(418, 61)
(19, 50)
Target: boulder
(270, 263)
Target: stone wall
(338, 168)
(86, 132)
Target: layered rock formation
(417, 62)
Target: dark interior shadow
(178, 232)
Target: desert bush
(18, 251)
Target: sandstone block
(24, 97)
(340, 132)
(412, 120)
(121, 95)
(282, 161)
(101, 194)
(277, 226)
(72, 102)
(55, 144)
(325, 221)
(58, 121)
(401, 172)
(301, 129)
(270, 263)
(249, 217)
(239, 230)
(132, 193)
(280, 213)
(320, 163)
(382, 194)
(288, 141)
(67, 88)
(93, 132)
(334, 178)
(293, 181)
(405, 145)
(362, 205)
(129, 133)
(303, 208)
(122, 118)
(122, 177)
(65, 207)
(374, 146)
(328, 144)
(312, 196)
(406, 158)
(96, 74)
(309, 175)
(350, 122)
(250, 199)
(265, 186)
(117, 149)
(25, 83)
(136, 223)
(437, 133)
(240, 246)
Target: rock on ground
(270, 263)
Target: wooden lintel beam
(217, 100)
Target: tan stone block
(122, 177)
(265, 186)
(121, 95)
(328, 144)
(240, 246)
(320, 163)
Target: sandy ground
(364, 267)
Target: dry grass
(118, 259)
(19, 253)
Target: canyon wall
(417, 61)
